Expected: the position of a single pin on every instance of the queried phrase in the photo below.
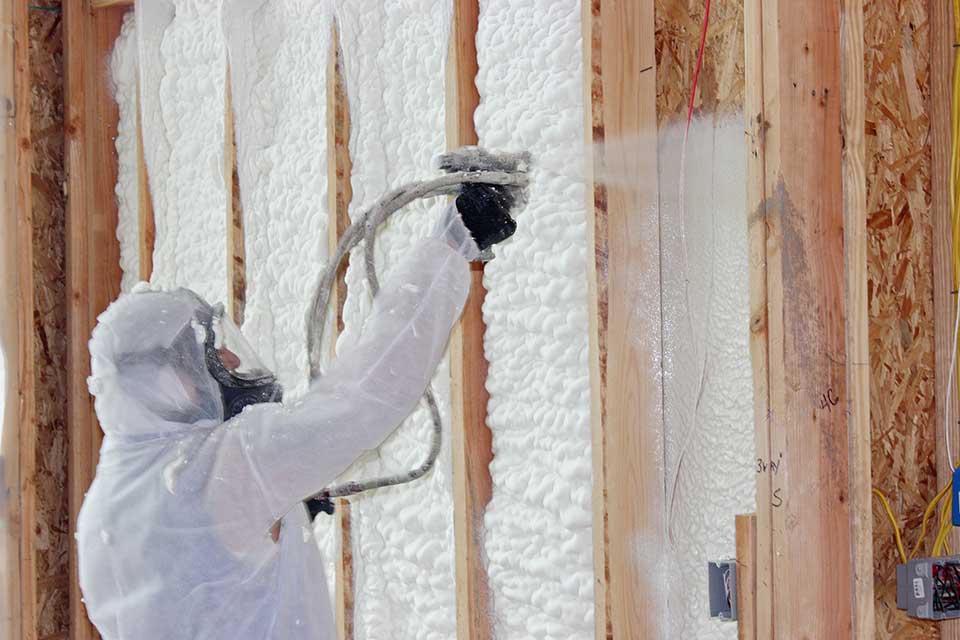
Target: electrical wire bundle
(946, 587)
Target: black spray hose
(365, 228)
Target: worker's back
(158, 559)
(174, 534)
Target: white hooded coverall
(173, 535)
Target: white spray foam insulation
(278, 59)
(123, 75)
(394, 58)
(715, 436)
(538, 523)
(278, 54)
(182, 78)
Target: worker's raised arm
(299, 448)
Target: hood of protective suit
(148, 373)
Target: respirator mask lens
(235, 353)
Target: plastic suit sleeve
(295, 450)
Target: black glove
(317, 505)
(485, 210)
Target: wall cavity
(278, 54)
(708, 385)
(123, 74)
(394, 55)
(539, 521)
(182, 81)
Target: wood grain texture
(746, 540)
(344, 566)
(146, 221)
(49, 332)
(236, 243)
(852, 121)
(106, 4)
(93, 252)
(471, 439)
(10, 200)
(944, 301)
(897, 77)
(339, 168)
(339, 195)
(25, 317)
(757, 127)
(627, 416)
(805, 509)
(721, 86)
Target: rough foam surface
(708, 339)
(394, 55)
(183, 119)
(538, 523)
(278, 52)
(279, 67)
(123, 74)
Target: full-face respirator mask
(242, 377)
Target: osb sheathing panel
(679, 26)
(900, 289)
(47, 201)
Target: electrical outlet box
(722, 587)
(929, 588)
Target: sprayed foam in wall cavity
(182, 78)
(123, 75)
(278, 53)
(708, 386)
(394, 55)
(538, 523)
(278, 66)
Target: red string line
(696, 71)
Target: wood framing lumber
(757, 252)
(13, 74)
(236, 243)
(627, 410)
(857, 358)
(471, 439)
(339, 167)
(746, 541)
(18, 168)
(813, 505)
(339, 194)
(147, 225)
(93, 252)
(344, 568)
(944, 287)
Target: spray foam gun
(467, 165)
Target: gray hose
(365, 228)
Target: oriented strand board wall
(47, 201)
(720, 88)
(900, 284)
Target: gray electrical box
(722, 586)
(929, 588)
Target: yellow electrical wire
(928, 512)
(940, 544)
(893, 523)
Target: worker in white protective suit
(178, 535)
